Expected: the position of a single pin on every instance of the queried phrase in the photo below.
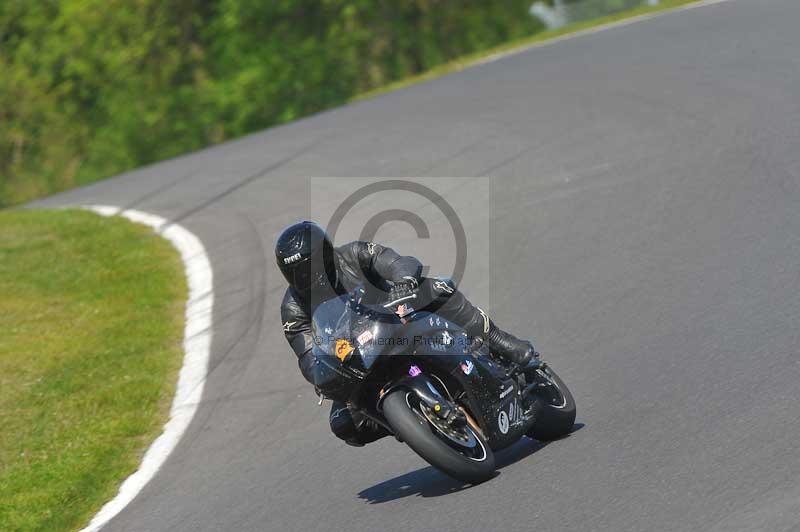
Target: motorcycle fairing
(484, 385)
(494, 399)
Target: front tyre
(463, 454)
(555, 409)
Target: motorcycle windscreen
(338, 330)
(375, 338)
(328, 374)
(354, 335)
(331, 328)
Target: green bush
(90, 88)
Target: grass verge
(520, 45)
(91, 325)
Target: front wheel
(555, 407)
(460, 452)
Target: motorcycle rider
(317, 272)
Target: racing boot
(354, 428)
(509, 347)
(368, 431)
(501, 343)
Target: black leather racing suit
(360, 263)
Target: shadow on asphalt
(429, 482)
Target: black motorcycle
(422, 379)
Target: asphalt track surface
(646, 231)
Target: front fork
(422, 387)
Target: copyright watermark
(444, 222)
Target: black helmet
(304, 254)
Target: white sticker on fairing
(364, 338)
(502, 422)
(512, 417)
(515, 413)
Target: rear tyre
(469, 461)
(555, 409)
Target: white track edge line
(196, 346)
(590, 31)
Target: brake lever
(320, 395)
(397, 301)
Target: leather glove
(403, 291)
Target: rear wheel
(459, 452)
(555, 408)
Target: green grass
(91, 324)
(521, 44)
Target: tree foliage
(89, 88)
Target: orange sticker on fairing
(343, 348)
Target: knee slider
(342, 424)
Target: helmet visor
(317, 271)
